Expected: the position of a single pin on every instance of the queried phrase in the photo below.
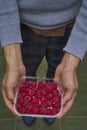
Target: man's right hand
(14, 72)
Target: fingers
(8, 93)
(68, 94)
(69, 84)
(68, 98)
(67, 106)
(8, 88)
(8, 103)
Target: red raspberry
(55, 85)
(49, 103)
(35, 100)
(30, 105)
(38, 94)
(26, 84)
(31, 84)
(34, 84)
(56, 105)
(22, 110)
(27, 98)
(49, 112)
(23, 94)
(43, 92)
(56, 99)
(43, 99)
(43, 110)
(54, 111)
(27, 111)
(50, 87)
(31, 92)
(18, 107)
(40, 85)
(21, 89)
(20, 101)
(27, 88)
(35, 110)
(55, 92)
(43, 104)
(29, 108)
(36, 105)
(49, 96)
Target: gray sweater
(45, 14)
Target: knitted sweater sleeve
(9, 22)
(77, 43)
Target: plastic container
(38, 97)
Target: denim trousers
(35, 47)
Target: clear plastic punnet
(38, 97)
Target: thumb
(9, 103)
(58, 73)
(10, 90)
(10, 94)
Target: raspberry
(56, 105)
(35, 100)
(27, 98)
(54, 111)
(18, 106)
(56, 99)
(40, 85)
(43, 110)
(26, 84)
(30, 105)
(35, 110)
(31, 91)
(22, 110)
(23, 94)
(21, 89)
(48, 112)
(55, 92)
(49, 96)
(29, 108)
(50, 87)
(42, 99)
(33, 84)
(20, 101)
(43, 92)
(38, 94)
(49, 103)
(43, 104)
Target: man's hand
(66, 75)
(15, 70)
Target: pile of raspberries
(38, 98)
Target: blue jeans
(35, 47)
